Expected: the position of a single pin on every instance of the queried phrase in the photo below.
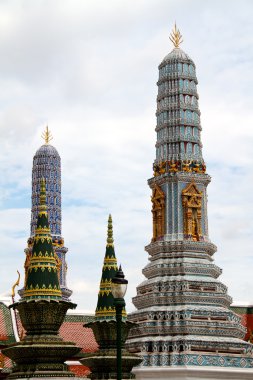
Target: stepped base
(41, 353)
(103, 364)
(192, 373)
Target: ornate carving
(192, 200)
(41, 353)
(175, 166)
(158, 211)
(58, 265)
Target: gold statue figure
(186, 166)
(162, 167)
(173, 167)
(192, 206)
(158, 211)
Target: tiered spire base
(103, 363)
(42, 352)
(183, 316)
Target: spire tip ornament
(47, 135)
(176, 37)
(109, 232)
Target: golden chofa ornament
(176, 37)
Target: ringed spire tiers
(105, 309)
(182, 309)
(42, 273)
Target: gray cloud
(89, 70)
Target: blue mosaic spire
(47, 164)
(178, 116)
(182, 308)
(178, 145)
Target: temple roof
(7, 335)
(72, 330)
(47, 150)
(176, 53)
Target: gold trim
(42, 230)
(42, 292)
(109, 267)
(108, 312)
(110, 260)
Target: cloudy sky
(88, 68)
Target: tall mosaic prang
(183, 311)
(42, 353)
(47, 164)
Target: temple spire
(105, 306)
(176, 37)
(183, 313)
(47, 164)
(42, 280)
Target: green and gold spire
(105, 308)
(41, 280)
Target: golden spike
(42, 192)
(109, 232)
(47, 135)
(43, 197)
(14, 285)
(176, 37)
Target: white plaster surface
(192, 373)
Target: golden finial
(176, 37)
(42, 195)
(14, 286)
(47, 135)
(42, 185)
(109, 232)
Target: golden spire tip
(47, 135)
(42, 204)
(176, 36)
(109, 232)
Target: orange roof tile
(82, 336)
